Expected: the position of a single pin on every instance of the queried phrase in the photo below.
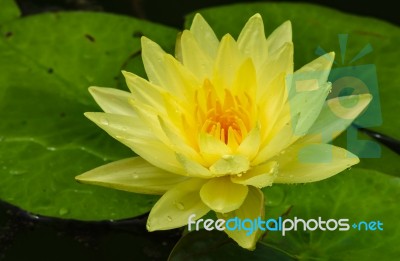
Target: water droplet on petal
(104, 121)
(226, 157)
(169, 218)
(239, 175)
(16, 172)
(274, 196)
(179, 205)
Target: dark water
(171, 12)
(25, 236)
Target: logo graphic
(357, 79)
(346, 79)
(281, 224)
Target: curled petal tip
(146, 41)
(78, 178)
(198, 16)
(330, 56)
(367, 96)
(93, 89)
(256, 16)
(288, 24)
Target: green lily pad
(357, 195)
(9, 11)
(48, 61)
(317, 29)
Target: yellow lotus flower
(220, 121)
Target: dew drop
(227, 157)
(63, 211)
(274, 196)
(203, 66)
(169, 218)
(34, 216)
(239, 175)
(120, 137)
(15, 172)
(104, 121)
(179, 205)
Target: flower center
(225, 125)
(223, 115)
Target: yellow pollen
(223, 117)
